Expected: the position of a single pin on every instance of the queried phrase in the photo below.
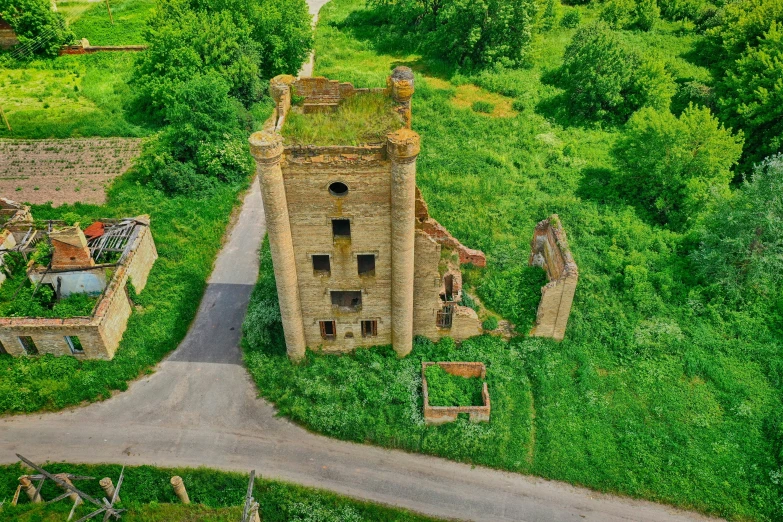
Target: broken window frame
(366, 272)
(340, 297)
(326, 336)
(369, 328)
(28, 345)
(336, 223)
(321, 271)
(445, 316)
(69, 340)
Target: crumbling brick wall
(99, 334)
(8, 37)
(549, 249)
(434, 415)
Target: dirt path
(200, 409)
(315, 7)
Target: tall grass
(94, 24)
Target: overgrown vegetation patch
(452, 390)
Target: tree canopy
(36, 24)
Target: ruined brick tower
(357, 258)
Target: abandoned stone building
(99, 261)
(357, 258)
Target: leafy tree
(551, 15)
(674, 166)
(184, 44)
(741, 242)
(629, 14)
(605, 81)
(571, 18)
(683, 9)
(751, 94)
(281, 28)
(741, 25)
(36, 24)
(466, 32)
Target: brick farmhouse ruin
(8, 37)
(99, 261)
(357, 258)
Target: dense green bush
(628, 14)
(604, 80)
(693, 10)
(673, 167)
(465, 32)
(571, 18)
(750, 95)
(515, 293)
(39, 29)
(490, 323)
(551, 15)
(445, 389)
(740, 252)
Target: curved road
(200, 409)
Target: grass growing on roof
(656, 392)
(216, 496)
(362, 118)
(445, 389)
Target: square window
(328, 330)
(74, 344)
(28, 345)
(351, 300)
(341, 228)
(369, 328)
(321, 265)
(366, 264)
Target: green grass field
(91, 20)
(69, 97)
(656, 392)
(215, 496)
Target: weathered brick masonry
(549, 250)
(99, 334)
(326, 300)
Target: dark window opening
(29, 346)
(341, 228)
(338, 189)
(3, 351)
(448, 283)
(328, 330)
(74, 344)
(351, 300)
(321, 265)
(445, 316)
(369, 328)
(366, 264)
(349, 335)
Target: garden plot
(63, 171)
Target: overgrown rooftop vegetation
(362, 118)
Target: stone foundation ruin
(99, 261)
(434, 415)
(549, 250)
(358, 261)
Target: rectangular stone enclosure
(434, 415)
(549, 250)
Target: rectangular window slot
(366, 264)
(3, 351)
(322, 265)
(28, 345)
(369, 328)
(328, 330)
(74, 344)
(341, 228)
(351, 300)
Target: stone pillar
(401, 85)
(108, 488)
(179, 490)
(29, 488)
(267, 148)
(403, 147)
